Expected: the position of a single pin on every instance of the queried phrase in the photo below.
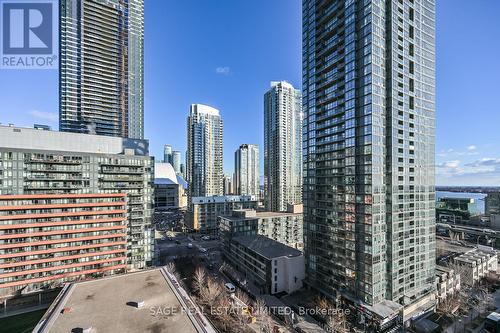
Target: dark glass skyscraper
(246, 170)
(369, 123)
(282, 146)
(101, 74)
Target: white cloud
(469, 151)
(47, 116)
(452, 164)
(223, 70)
(480, 169)
(485, 162)
(449, 168)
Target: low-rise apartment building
(283, 227)
(475, 264)
(447, 282)
(46, 239)
(204, 211)
(268, 264)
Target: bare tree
(450, 305)
(243, 297)
(222, 314)
(210, 292)
(240, 307)
(260, 312)
(239, 313)
(171, 268)
(200, 278)
(224, 267)
(259, 308)
(337, 324)
(336, 320)
(322, 303)
(335, 317)
(482, 298)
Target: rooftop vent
(136, 304)
(66, 310)
(82, 329)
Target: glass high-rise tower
(167, 154)
(204, 154)
(282, 146)
(246, 170)
(101, 67)
(176, 161)
(369, 131)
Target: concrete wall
(290, 274)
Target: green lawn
(22, 323)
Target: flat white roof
(13, 137)
(107, 305)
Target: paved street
(175, 247)
(447, 245)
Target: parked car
(202, 250)
(230, 287)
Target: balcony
(52, 161)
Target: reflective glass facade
(368, 144)
(282, 146)
(101, 67)
(246, 170)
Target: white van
(230, 287)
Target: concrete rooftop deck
(102, 305)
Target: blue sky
(224, 53)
